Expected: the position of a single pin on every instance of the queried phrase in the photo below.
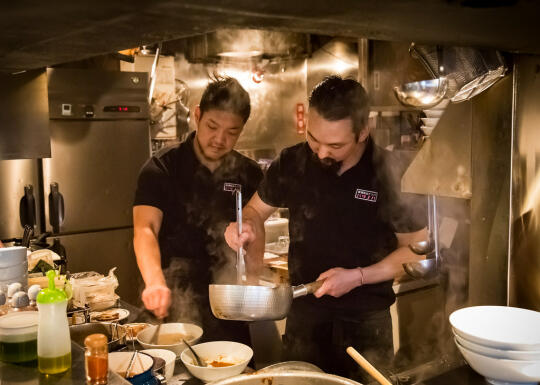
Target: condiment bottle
(54, 344)
(96, 359)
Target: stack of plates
(432, 117)
(501, 343)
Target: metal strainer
(468, 70)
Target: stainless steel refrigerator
(83, 194)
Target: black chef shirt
(197, 206)
(341, 221)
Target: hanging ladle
(426, 246)
(427, 268)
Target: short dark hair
(335, 99)
(226, 94)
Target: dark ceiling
(37, 34)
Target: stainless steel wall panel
(490, 203)
(524, 250)
(24, 116)
(96, 164)
(14, 175)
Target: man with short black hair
(185, 197)
(349, 227)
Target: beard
(328, 164)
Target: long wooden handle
(367, 366)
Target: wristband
(361, 276)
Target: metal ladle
(240, 264)
(427, 246)
(429, 267)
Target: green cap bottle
(51, 294)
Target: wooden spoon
(360, 360)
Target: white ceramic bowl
(168, 356)
(432, 122)
(499, 327)
(192, 334)
(427, 130)
(498, 370)
(524, 355)
(221, 351)
(433, 113)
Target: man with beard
(349, 227)
(185, 198)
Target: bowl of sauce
(223, 359)
(170, 336)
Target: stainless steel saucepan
(256, 303)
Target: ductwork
(241, 44)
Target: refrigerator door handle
(27, 207)
(56, 208)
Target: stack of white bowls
(499, 342)
(13, 266)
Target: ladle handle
(307, 288)
(360, 360)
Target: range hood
(246, 44)
(442, 167)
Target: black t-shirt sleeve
(153, 185)
(273, 188)
(254, 175)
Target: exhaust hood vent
(246, 44)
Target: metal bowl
(425, 268)
(422, 94)
(116, 334)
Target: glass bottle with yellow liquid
(54, 343)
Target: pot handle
(307, 288)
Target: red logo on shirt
(232, 187)
(365, 195)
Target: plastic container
(13, 266)
(18, 336)
(96, 359)
(54, 344)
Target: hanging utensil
(428, 268)
(256, 303)
(427, 246)
(240, 265)
(364, 364)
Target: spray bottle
(54, 343)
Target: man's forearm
(388, 268)
(148, 257)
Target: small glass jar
(96, 359)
